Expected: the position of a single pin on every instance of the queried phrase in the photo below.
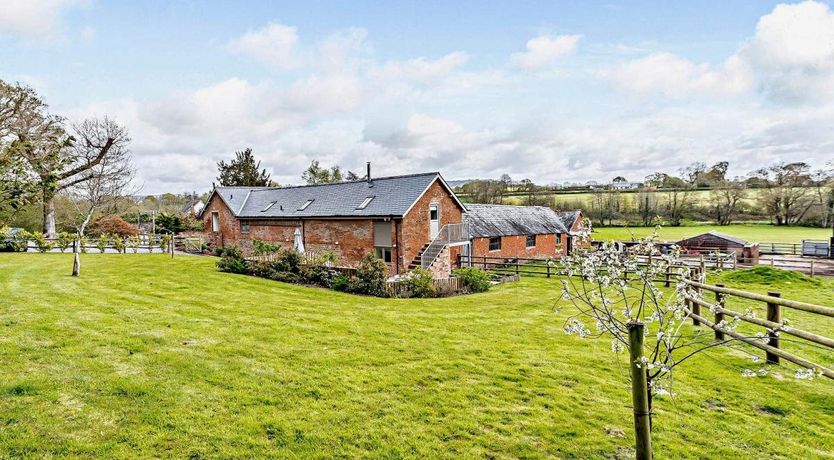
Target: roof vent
(368, 175)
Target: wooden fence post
(812, 268)
(696, 308)
(516, 266)
(668, 273)
(774, 314)
(639, 393)
(719, 315)
(548, 268)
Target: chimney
(369, 173)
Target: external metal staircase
(449, 235)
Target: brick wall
(415, 224)
(516, 246)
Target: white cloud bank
(343, 106)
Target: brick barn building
(516, 231)
(394, 217)
(408, 221)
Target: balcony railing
(449, 234)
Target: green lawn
(144, 356)
(751, 232)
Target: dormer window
(270, 205)
(364, 204)
(304, 206)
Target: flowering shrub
(474, 279)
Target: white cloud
(275, 44)
(674, 76)
(35, 19)
(544, 50)
(793, 53)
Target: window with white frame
(244, 226)
(215, 221)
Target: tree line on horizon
(782, 193)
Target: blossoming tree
(617, 295)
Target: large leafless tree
(52, 157)
(106, 180)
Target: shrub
(318, 275)
(118, 243)
(232, 261)
(101, 242)
(286, 277)
(164, 242)
(133, 243)
(370, 277)
(340, 283)
(286, 260)
(13, 240)
(42, 244)
(419, 283)
(113, 224)
(83, 242)
(263, 248)
(474, 279)
(64, 240)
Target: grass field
(752, 232)
(144, 356)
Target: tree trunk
(49, 213)
(640, 393)
(76, 264)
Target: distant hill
(459, 182)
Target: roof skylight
(268, 206)
(365, 203)
(304, 206)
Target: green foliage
(327, 258)
(318, 275)
(164, 241)
(316, 174)
(64, 240)
(102, 242)
(14, 241)
(264, 248)
(83, 242)
(370, 277)
(118, 243)
(243, 171)
(232, 261)
(41, 243)
(340, 282)
(474, 279)
(419, 283)
(169, 223)
(762, 274)
(133, 243)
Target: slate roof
(487, 220)
(723, 236)
(568, 218)
(392, 197)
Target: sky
(553, 91)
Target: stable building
(505, 231)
